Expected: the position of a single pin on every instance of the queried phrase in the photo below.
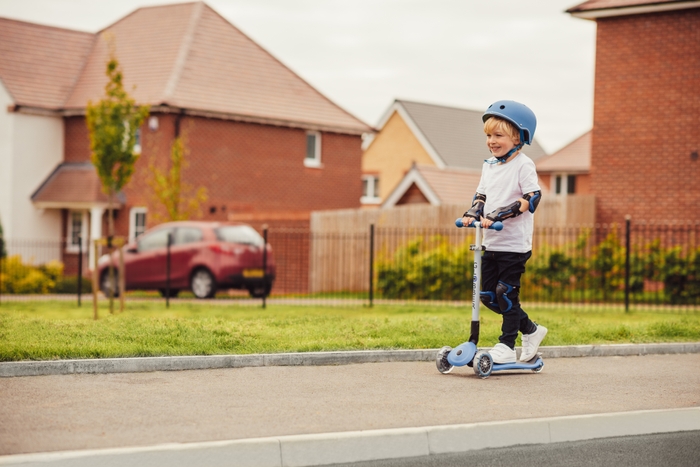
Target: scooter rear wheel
(483, 364)
(537, 370)
(441, 362)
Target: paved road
(667, 449)
(91, 411)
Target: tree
(178, 198)
(112, 123)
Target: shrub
(20, 278)
(431, 269)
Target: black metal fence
(628, 265)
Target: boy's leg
(512, 266)
(489, 281)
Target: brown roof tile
(39, 64)
(451, 185)
(72, 183)
(574, 157)
(188, 56)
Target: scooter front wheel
(441, 362)
(483, 364)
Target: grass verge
(61, 330)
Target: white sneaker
(531, 342)
(501, 353)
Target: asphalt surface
(97, 411)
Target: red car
(204, 257)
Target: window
(313, 149)
(137, 222)
(239, 234)
(370, 189)
(154, 240)
(77, 229)
(185, 235)
(564, 184)
(137, 141)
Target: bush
(20, 278)
(430, 269)
(69, 285)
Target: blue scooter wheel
(483, 364)
(441, 362)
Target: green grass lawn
(61, 330)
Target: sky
(364, 54)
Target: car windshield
(239, 234)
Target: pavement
(336, 407)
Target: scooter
(467, 353)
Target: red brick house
(267, 145)
(645, 144)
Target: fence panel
(626, 265)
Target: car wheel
(202, 284)
(260, 290)
(107, 285)
(173, 292)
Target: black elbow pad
(534, 200)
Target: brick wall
(647, 114)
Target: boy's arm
(477, 209)
(528, 202)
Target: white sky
(363, 54)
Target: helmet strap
(505, 157)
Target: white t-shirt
(503, 184)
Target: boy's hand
(467, 220)
(486, 223)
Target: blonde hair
(494, 124)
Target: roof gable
(439, 186)
(188, 56)
(574, 157)
(454, 137)
(39, 64)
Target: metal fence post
(264, 265)
(80, 268)
(371, 265)
(167, 271)
(627, 262)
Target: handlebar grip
(495, 226)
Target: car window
(154, 240)
(239, 234)
(188, 235)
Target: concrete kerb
(357, 446)
(146, 364)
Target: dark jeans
(501, 266)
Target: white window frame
(314, 162)
(83, 231)
(133, 231)
(371, 197)
(564, 188)
(137, 141)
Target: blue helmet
(518, 114)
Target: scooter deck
(533, 364)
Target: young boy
(508, 192)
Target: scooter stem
(476, 285)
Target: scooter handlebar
(495, 226)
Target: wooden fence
(339, 250)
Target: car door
(147, 266)
(186, 245)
